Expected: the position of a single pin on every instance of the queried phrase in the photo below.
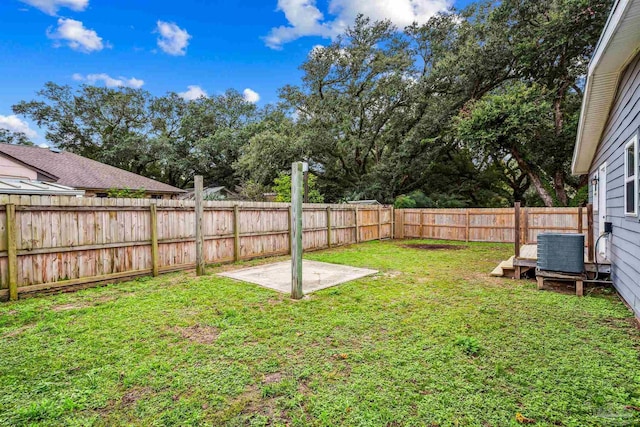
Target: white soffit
(618, 45)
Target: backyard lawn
(430, 340)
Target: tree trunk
(558, 177)
(534, 178)
(558, 185)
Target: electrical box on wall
(608, 227)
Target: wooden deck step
(504, 268)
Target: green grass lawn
(430, 340)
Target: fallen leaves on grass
(524, 420)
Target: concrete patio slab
(315, 275)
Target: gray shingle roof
(76, 171)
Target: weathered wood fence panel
(66, 241)
(487, 225)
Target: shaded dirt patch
(434, 247)
(569, 288)
(272, 378)
(17, 332)
(131, 397)
(201, 334)
(71, 306)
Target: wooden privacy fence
(52, 242)
(489, 225)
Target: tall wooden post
(296, 229)
(12, 253)
(328, 226)
(590, 245)
(199, 235)
(154, 240)
(516, 238)
(516, 228)
(306, 183)
(236, 233)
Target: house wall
(10, 168)
(623, 247)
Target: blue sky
(162, 45)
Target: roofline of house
(27, 165)
(146, 190)
(42, 192)
(37, 188)
(617, 46)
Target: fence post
(580, 220)
(421, 224)
(290, 213)
(296, 240)
(379, 222)
(236, 233)
(516, 231)
(154, 239)
(328, 226)
(590, 245)
(525, 228)
(12, 255)
(357, 226)
(467, 227)
(198, 193)
(516, 239)
(393, 222)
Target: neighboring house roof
(618, 45)
(208, 192)
(75, 171)
(28, 187)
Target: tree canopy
(477, 107)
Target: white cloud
(16, 124)
(76, 36)
(306, 19)
(193, 92)
(52, 6)
(109, 81)
(173, 39)
(251, 95)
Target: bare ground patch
(18, 331)
(70, 306)
(131, 397)
(388, 275)
(272, 378)
(201, 334)
(434, 247)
